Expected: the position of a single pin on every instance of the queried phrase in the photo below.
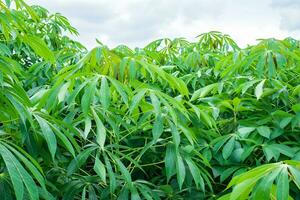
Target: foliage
(173, 120)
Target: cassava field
(173, 120)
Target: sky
(137, 22)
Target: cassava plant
(173, 120)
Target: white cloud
(137, 22)
(290, 14)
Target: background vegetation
(173, 120)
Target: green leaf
(48, 135)
(134, 194)
(189, 134)
(124, 172)
(271, 65)
(296, 175)
(273, 151)
(12, 168)
(111, 174)
(99, 168)
(180, 170)
(264, 131)
(30, 166)
(285, 121)
(175, 134)
(245, 131)
(63, 91)
(92, 193)
(195, 173)
(120, 88)
(18, 175)
(228, 148)
(80, 160)
(100, 131)
(88, 96)
(87, 127)
(147, 192)
(229, 171)
(263, 189)
(259, 89)
(157, 128)
(202, 92)
(283, 185)
(170, 161)
(242, 190)
(245, 86)
(104, 93)
(39, 47)
(136, 100)
(156, 103)
(64, 140)
(245, 182)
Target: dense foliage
(173, 120)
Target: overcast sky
(137, 22)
